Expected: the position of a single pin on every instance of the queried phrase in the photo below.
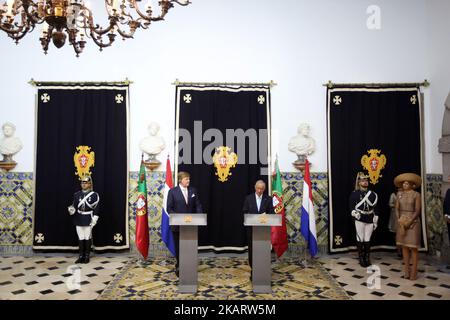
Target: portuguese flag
(142, 240)
(278, 234)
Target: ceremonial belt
(365, 212)
(85, 212)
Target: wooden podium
(188, 264)
(261, 268)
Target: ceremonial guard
(362, 206)
(84, 212)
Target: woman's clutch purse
(405, 223)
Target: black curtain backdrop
(68, 117)
(360, 119)
(224, 108)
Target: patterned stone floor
(433, 280)
(55, 277)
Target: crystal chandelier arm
(181, 3)
(95, 28)
(13, 29)
(16, 34)
(146, 17)
(45, 39)
(100, 42)
(119, 16)
(133, 26)
(33, 16)
(78, 46)
(166, 5)
(93, 31)
(98, 38)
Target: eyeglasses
(85, 182)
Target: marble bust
(153, 144)
(302, 144)
(9, 145)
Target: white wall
(439, 66)
(299, 44)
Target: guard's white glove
(356, 215)
(94, 221)
(71, 210)
(375, 222)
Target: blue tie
(258, 202)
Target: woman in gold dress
(408, 209)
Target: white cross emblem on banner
(119, 98)
(45, 97)
(39, 238)
(118, 238)
(187, 98)
(261, 99)
(337, 100)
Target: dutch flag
(166, 233)
(308, 218)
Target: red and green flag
(278, 234)
(142, 238)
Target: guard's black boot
(87, 250)
(367, 254)
(359, 245)
(81, 251)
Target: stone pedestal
(7, 163)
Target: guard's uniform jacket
(85, 208)
(364, 203)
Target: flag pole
(141, 262)
(305, 255)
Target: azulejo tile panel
(16, 200)
(16, 192)
(437, 230)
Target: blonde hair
(182, 175)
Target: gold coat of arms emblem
(224, 160)
(263, 218)
(374, 163)
(83, 159)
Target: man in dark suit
(256, 203)
(182, 199)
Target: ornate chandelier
(74, 20)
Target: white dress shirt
(258, 201)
